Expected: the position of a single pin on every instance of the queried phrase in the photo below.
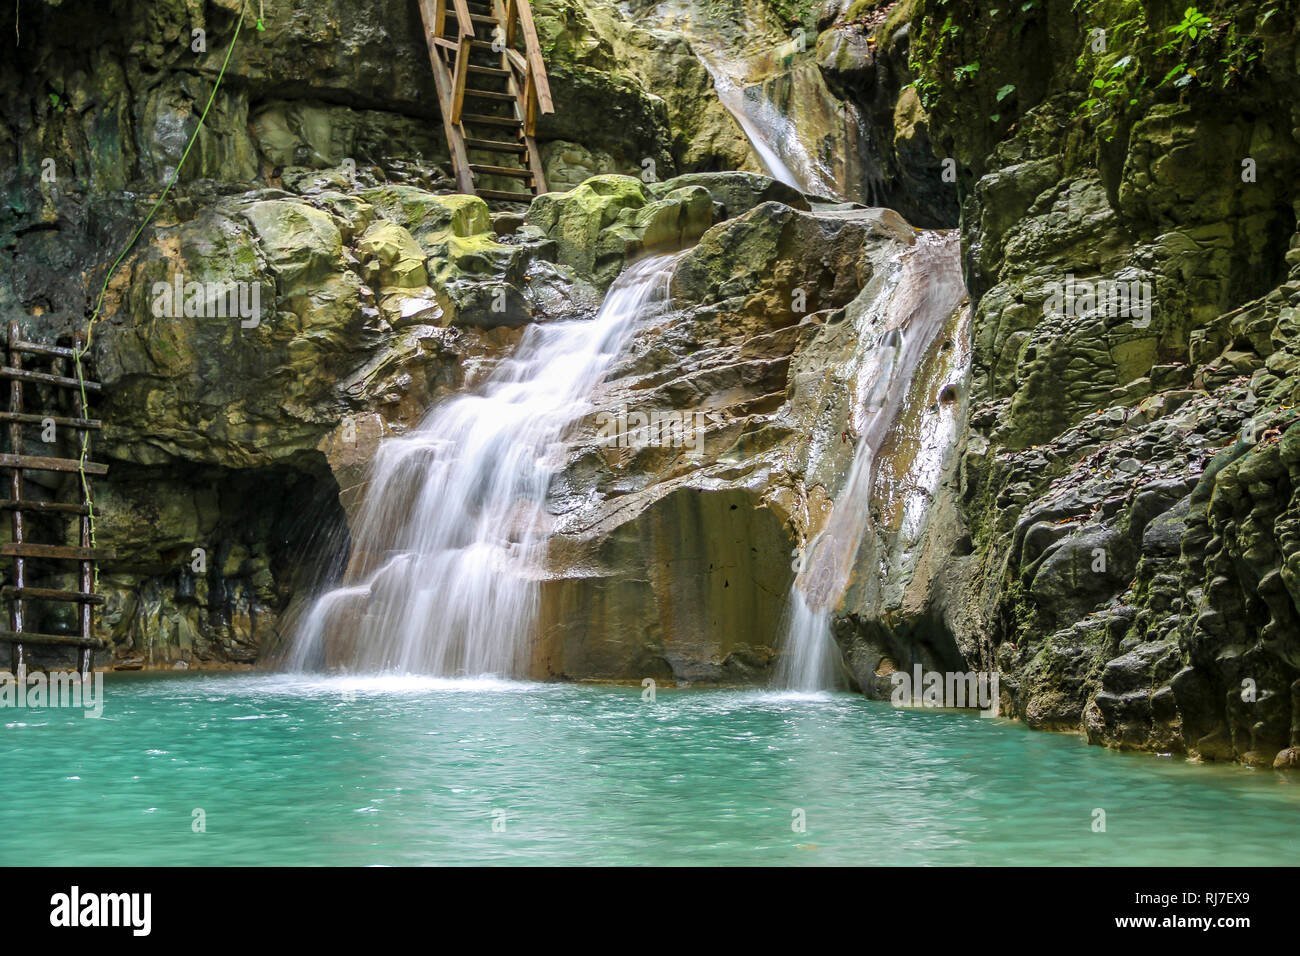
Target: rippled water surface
(294, 770)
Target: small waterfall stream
(762, 126)
(801, 133)
(927, 286)
(444, 566)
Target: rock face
(674, 552)
(761, 61)
(1128, 470)
(1092, 487)
(375, 299)
(313, 189)
(663, 89)
(739, 84)
(864, 53)
(600, 225)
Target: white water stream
(927, 286)
(443, 574)
(765, 128)
(751, 63)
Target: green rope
(79, 351)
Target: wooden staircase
(490, 93)
(61, 381)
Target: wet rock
(865, 57)
(736, 192)
(392, 258)
(599, 225)
(672, 560)
(1160, 437)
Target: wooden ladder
(494, 141)
(21, 549)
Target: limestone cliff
(1129, 473)
(318, 180)
(1092, 493)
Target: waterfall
(445, 562)
(763, 126)
(926, 286)
(801, 132)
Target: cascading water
(762, 126)
(444, 567)
(801, 133)
(926, 286)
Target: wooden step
(44, 378)
(60, 552)
(494, 146)
(35, 348)
(502, 171)
(488, 70)
(37, 463)
(51, 594)
(85, 424)
(44, 507)
(481, 18)
(484, 120)
(503, 195)
(491, 95)
(31, 637)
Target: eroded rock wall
(673, 557)
(239, 444)
(1128, 474)
(318, 188)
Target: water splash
(445, 560)
(922, 291)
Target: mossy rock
(775, 255)
(303, 244)
(681, 216)
(398, 257)
(598, 226)
(737, 192)
(429, 218)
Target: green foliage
(1204, 47)
(1194, 23)
(968, 59)
(1112, 86)
(1194, 26)
(949, 37)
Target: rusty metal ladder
(21, 549)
